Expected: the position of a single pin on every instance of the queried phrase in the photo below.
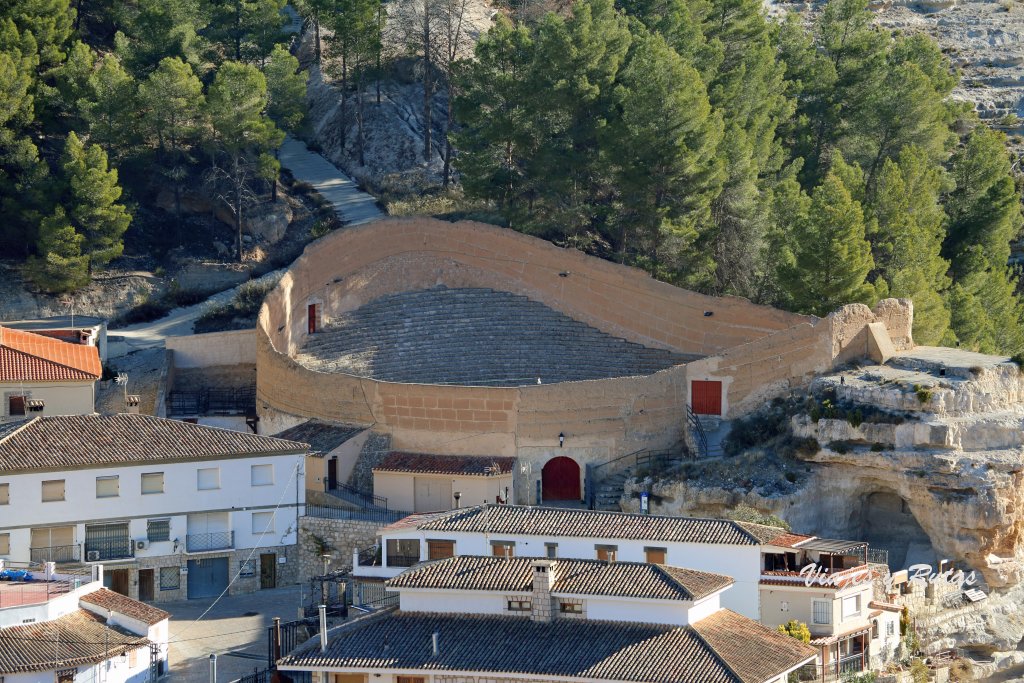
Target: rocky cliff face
(922, 457)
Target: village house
(74, 329)
(40, 375)
(173, 510)
(61, 626)
(471, 618)
(778, 576)
(427, 483)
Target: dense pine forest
(800, 165)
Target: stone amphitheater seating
(476, 337)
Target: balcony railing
(57, 553)
(215, 540)
(402, 560)
(101, 549)
(370, 557)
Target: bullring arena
(467, 339)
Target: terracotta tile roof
(753, 651)
(445, 464)
(574, 648)
(413, 521)
(48, 443)
(790, 540)
(550, 522)
(72, 640)
(572, 577)
(29, 357)
(322, 437)
(122, 604)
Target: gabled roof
(551, 522)
(576, 648)
(63, 441)
(77, 638)
(425, 463)
(322, 437)
(29, 357)
(571, 577)
(107, 599)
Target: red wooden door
(561, 479)
(311, 314)
(706, 397)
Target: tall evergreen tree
(832, 258)
(286, 89)
(60, 266)
(661, 143)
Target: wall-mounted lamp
(457, 496)
(708, 314)
(561, 439)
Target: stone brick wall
(213, 348)
(375, 448)
(341, 537)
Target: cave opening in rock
(887, 523)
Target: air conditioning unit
(141, 544)
(92, 556)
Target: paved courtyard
(236, 625)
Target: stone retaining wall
(340, 536)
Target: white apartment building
(471, 619)
(68, 628)
(853, 630)
(172, 509)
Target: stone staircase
(609, 491)
(473, 336)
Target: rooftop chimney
(132, 403)
(323, 628)
(543, 580)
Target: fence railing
(697, 431)
(402, 560)
(57, 553)
(212, 401)
(117, 548)
(355, 495)
(215, 540)
(595, 474)
(370, 557)
(878, 556)
(293, 634)
(379, 516)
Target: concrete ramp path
(352, 205)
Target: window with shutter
(16, 405)
(606, 553)
(440, 550)
(503, 548)
(262, 522)
(152, 482)
(53, 490)
(5, 544)
(262, 475)
(5, 494)
(208, 478)
(655, 555)
(107, 487)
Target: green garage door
(207, 577)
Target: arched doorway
(560, 479)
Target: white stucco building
(67, 628)
(474, 619)
(172, 509)
(41, 375)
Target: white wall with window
(137, 494)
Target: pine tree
(172, 102)
(286, 89)
(155, 29)
(243, 138)
(497, 137)
(60, 266)
(661, 143)
(91, 198)
(908, 242)
(984, 209)
(832, 256)
(50, 22)
(111, 110)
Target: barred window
(158, 530)
(170, 578)
(822, 612)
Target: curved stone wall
(599, 418)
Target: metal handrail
(698, 431)
(56, 553)
(366, 497)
